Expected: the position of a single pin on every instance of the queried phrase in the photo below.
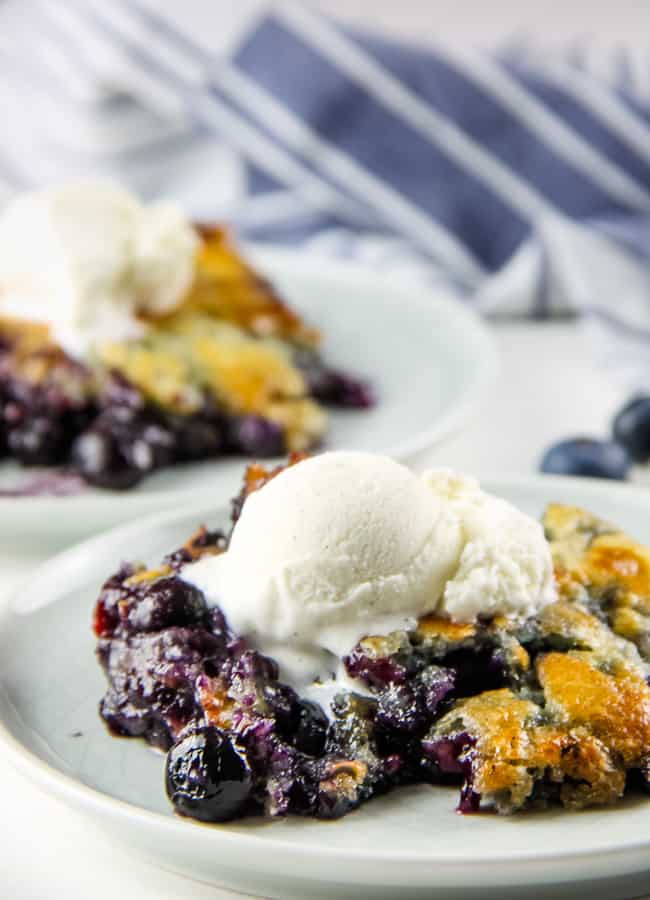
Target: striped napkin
(520, 176)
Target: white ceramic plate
(409, 844)
(426, 354)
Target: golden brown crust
(614, 707)
(582, 719)
(513, 751)
(598, 562)
(217, 705)
(432, 627)
(197, 546)
(226, 287)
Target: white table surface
(547, 388)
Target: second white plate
(427, 356)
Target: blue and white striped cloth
(520, 176)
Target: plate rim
(79, 795)
(305, 264)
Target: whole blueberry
(208, 776)
(150, 446)
(398, 710)
(197, 437)
(335, 388)
(143, 438)
(631, 428)
(587, 457)
(118, 391)
(256, 436)
(100, 460)
(39, 440)
(168, 602)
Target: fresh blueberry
(588, 457)
(208, 776)
(631, 428)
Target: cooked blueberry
(644, 774)
(197, 437)
(256, 436)
(631, 428)
(168, 602)
(106, 616)
(153, 677)
(118, 391)
(474, 671)
(101, 462)
(142, 437)
(588, 457)
(398, 710)
(311, 730)
(283, 703)
(337, 389)
(453, 756)
(436, 687)
(105, 619)
(208, 776)
(153, 448)
(376, 671)
(331, 386)
(38, 441)
(251, 666)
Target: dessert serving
(131, 339)
(362, 628)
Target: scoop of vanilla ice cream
(165, 254)
(505, 566)
(87, 258)
(333, 548)
(346, 545)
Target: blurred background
(483, 23)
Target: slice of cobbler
(232, 369)
(522, 715)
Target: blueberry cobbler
(361, 628)
(131, 339)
